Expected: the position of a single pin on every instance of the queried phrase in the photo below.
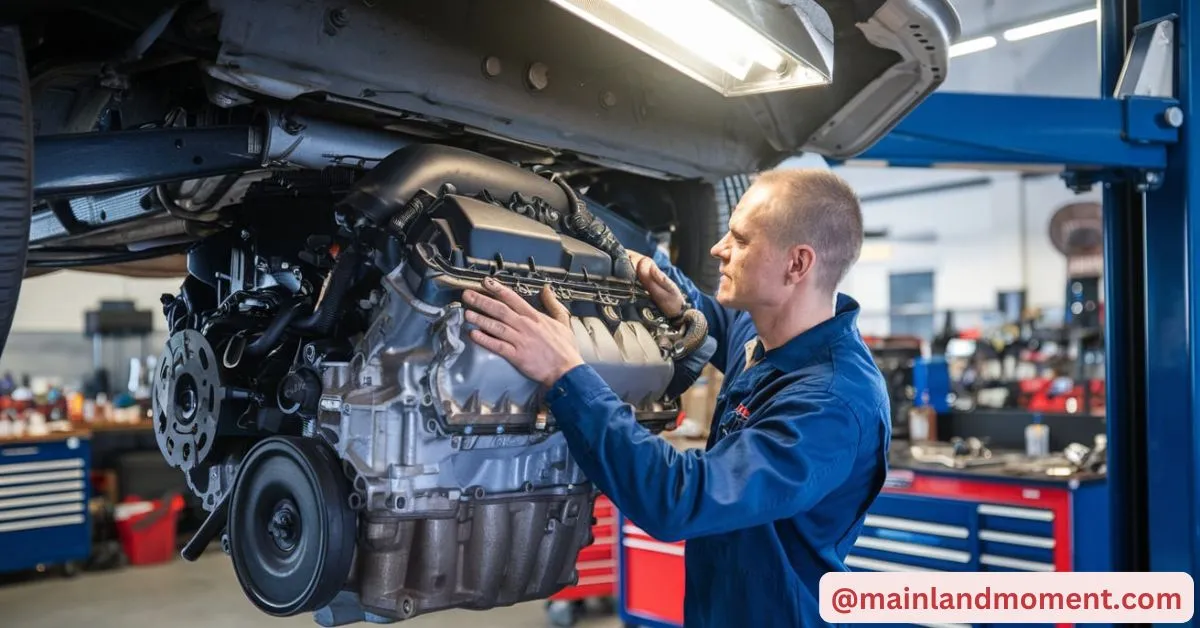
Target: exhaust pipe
(83, 164)
(299, 140)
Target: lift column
(1135, 140)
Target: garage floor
(204, 594)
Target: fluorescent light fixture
(703, 40)
(1059, 23)
(979, 44)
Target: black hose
(341, 278)
(587, 227)
(270, 337)
(403, 220)
(390, 185)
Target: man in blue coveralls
(801, 428)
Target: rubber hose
(389, 186)
(592, 230)
(270, 337)
(326, 313)
(696, 329)
(401, 221)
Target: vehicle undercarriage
(328, 177)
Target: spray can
(1037, 438)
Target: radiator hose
(341, 278)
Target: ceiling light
(979, 44)
(1053, 24)
(709, 43)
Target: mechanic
(798, 445)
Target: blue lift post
(1139, 149)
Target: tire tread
(16, 174)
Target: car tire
(702, 212)
(696, 212)
(16, 174)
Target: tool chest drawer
(44, 496)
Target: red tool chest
(597, 567)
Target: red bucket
(147, 529)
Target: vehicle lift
(1135, 140)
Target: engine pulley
(188, 394)
(291, 536)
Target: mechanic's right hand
(665, 294)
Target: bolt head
(492, 66)
(1173, 116)
(538, 76)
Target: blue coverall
(797, 453)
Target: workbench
(928, 518)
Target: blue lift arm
(1033, 131)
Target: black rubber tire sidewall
(702, 216)
(16, 174)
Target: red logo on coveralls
(743, 412)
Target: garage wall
(987, 237)
(57, 302)
(990, 227)
(47, 336)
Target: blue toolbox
(44, 497)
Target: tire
(16, 174)
(697, 211)
(702, 216)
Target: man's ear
(799, 263)
(801, 259)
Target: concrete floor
(198, 595)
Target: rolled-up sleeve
(798, 448)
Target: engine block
(331, 411)
(448, 443)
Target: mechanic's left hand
(541, 347)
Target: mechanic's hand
(665, 294)
(541, 347)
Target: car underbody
(330, 176)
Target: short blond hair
(820, 209)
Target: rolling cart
(44, 496)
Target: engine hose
(585, 226)
(695, 330)
(389, 186)
(327, 311)
(401, 221)
(270, 337)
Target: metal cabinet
(921, 522)
(44, 496)
(949, 522)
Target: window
(911, 298)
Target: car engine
(360, 457)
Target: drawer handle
(19, 451)
(654, 546)
(1016, 512)
(913, 549)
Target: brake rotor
(291, 536)
(187, 400)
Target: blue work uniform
(796, 454)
